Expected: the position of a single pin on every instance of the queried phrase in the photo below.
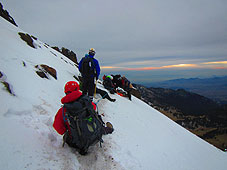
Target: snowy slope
(143, 137)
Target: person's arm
(97, 67)
(80, 64)
(58, 124)
(94, 106)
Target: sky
(146, 40)
(28, 140)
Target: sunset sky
(146, 40)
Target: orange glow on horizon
(210, 65)
(216, 62)
(180, 65)
(163, 67)
(142, 68)
(109, 67)
(220, 68)
(106, 67)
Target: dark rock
(44, 69)
(57, 49)
(76, 78)
(27, 38)
(8, 88)
(41, 74)
(1, 74)
(70, 54)
(50, 70)
(66, 52)
(4, 14)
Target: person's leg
(85, 85)
(91, 88)
(104, 94)
(129, 94)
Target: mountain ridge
(214, 88)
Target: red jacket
(59, 125)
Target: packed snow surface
(143, 138)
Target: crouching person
(78, 121)
(108, 84)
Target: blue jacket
(97, 67)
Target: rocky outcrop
(44, 70)
(66, 52)
(27, 38)
(4, 14)
(8, 87)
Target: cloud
(216, 62)
(218, 65)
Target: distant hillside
(214, 88)
(199, 114)
(187, 102)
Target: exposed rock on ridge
(4, 14)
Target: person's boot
(65, 136)
(112, 100)
(112, 91)
(109, 128)
(130, 97)
(83, 151)
(64, 140)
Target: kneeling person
(78, 121)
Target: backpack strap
(65, 119)
(64, 115)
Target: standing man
(89, 69)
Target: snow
(143, 138)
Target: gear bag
(86, 126)
(88, 67)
